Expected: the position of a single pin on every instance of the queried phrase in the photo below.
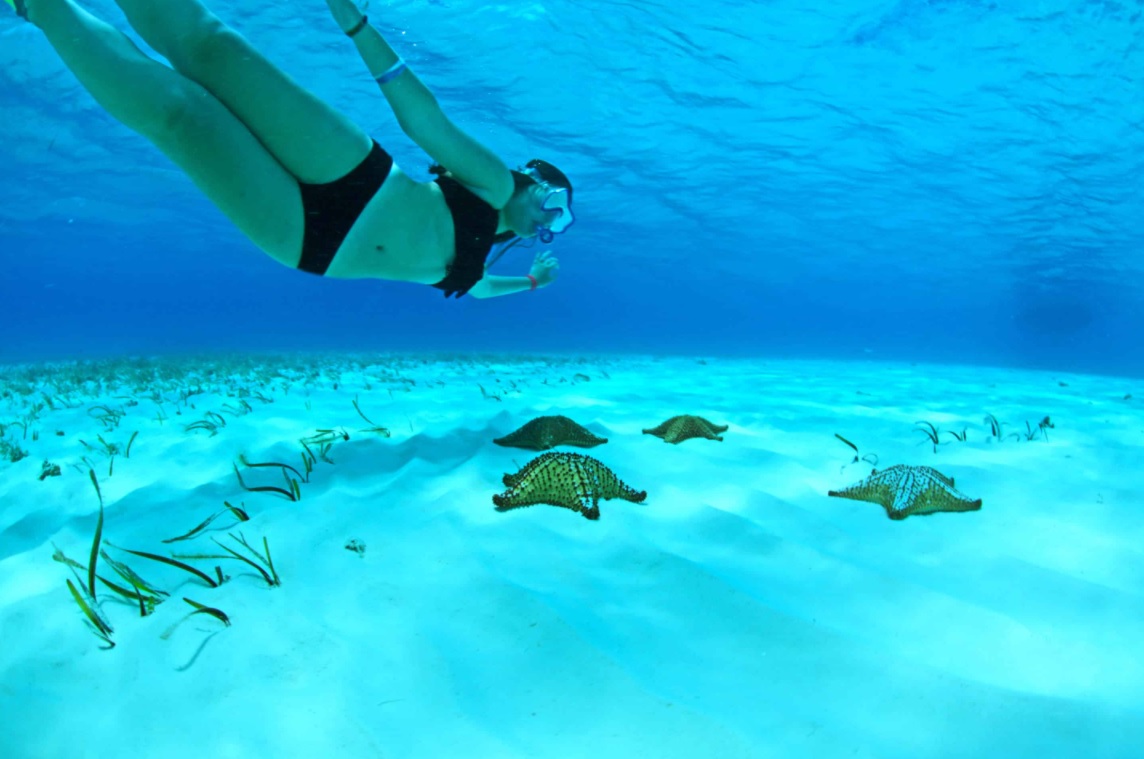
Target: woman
(305, 184)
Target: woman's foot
(20, 8)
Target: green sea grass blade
(368, 421)
(269, 561)
(240, 513)
(244, 462)
(62, 558)
(262, 488)
(95, 482)
(94, 549)
(127, 452)
(130, 594)
(202, 526)
(844, 440)
(173, 563)
(127, 573)
(931, 433)
(94, 618)
(240, 557)
(216, 613)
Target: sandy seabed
(737, 612)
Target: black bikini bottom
(332, 208)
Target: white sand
(738, 612)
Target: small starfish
(679, 428)
(903, 490)
(546, 432)
(571, 480)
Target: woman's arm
(420, 116)
(409, 98)
(492, 286)
(542, 274)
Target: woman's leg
(315, 142)
(184, 121)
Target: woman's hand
(347, 13)
(544, 268)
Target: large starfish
(679, 428)
(546, 432)
(903, 490)
(571, 480)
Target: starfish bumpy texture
(546, 432)
(679, 428)
(571, 480)
(905, 490)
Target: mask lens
(557, 210)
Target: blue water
(930, 180)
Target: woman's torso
(405, 233)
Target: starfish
(546, 432)
(679, 428)
(904, 490)
(571, 480)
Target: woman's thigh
(234, 170)
(313, 140)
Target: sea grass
(869, 458)
(326, 436)
(128, 574)
(271, 581)
(103, 629)
(373, 427)
(844, 440)
(198, 609)
(95, 542)
(308, 457)
(109, 417)
(265, 488)
(202, 609)
(239, 513)
(174, 563)
(196, 530)
(931, 432)
(242, 409)
(202, 424)
(244, 462)
(324, 452)
(146, 603)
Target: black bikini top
(474, 228)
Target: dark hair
(551, 174)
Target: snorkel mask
(557, 203)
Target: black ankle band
(357, 27)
